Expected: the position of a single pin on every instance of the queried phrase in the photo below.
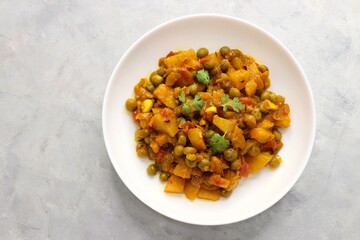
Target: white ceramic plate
(253, 195)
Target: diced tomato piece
(204, 60)
(186, 76)
(270, 145)
(160, 155)
(166, 112)
(171, 53)
(245, 169)
(134, 113)
(186, 126)
(247, 100)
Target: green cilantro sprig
(203, 76)
(225, 98)
(186, 109)
(198, 103)
(218, 143)
(182, 97)
(236, 105)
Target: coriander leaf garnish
(202, 76)
(198, 103)
(236, 105)
(186, 109)
(218, 143)
(182, 97)
(225, 98)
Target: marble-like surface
(56, 179)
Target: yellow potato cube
(175, 184)
(262, 135)
(190, 190)
(196, 138)
(208, 194)
(258, 162)
(182, 170)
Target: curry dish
(206, 120)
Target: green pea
(194, 89)
(147, 140)
(230, 154)
(131, 104)
(209, 133)
(224, 65)
(190, 163)
(277, 134)
(254, 151)
(250, 120)
(156, 79)
(262, 68)
(150, 87)
(151, 170)
(265, 95)
(142, 133)
(275, 161)
(202, 52)
(208, 65)
(178, 150)
(163, 176)
(204, 165)
(272, 97)
(141, 150)
(225, 193)
(234, 92)
(257, 114)
(235, 166)
(224, 50)
(161, 71)
(152, 74)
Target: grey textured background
(56, 180)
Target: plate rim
(307, 154)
